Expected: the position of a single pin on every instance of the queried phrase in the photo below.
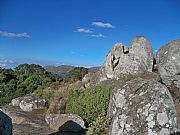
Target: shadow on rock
(5, 124)
(176, 133)
(70, 128)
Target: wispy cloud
(84, 30)
(97, 35)
(18, 35)
(103, 25)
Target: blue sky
(82, 31)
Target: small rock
(65, 122)
(28, 103)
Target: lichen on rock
(142, 107)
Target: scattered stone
(142, 107)
(16, 101)
(28, 103)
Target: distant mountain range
(54, 67)
(14, 62)
(64, 69)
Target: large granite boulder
(65, 122)
(29, 103)
(123, 60)
(168, 60)
(5, 124)
(142, 107)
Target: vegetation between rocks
(90, 103)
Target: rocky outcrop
(168, 60)
(142, 107)
(65, 122)
(5, 124)
(28, 103)
(122, 60)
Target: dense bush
(90, 103)
(76, 74)
(23, 80)
(100, 125)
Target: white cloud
(9, 34)
(103, 25)
(84, 30)
(97, 35)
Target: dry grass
(60, 97)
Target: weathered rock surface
(65, 122)
(19, 116)
(142, 107)
(122, 60)
(5, 124)
(27, 123)
(168, 60)
(28, 103)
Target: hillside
(124, 96)
(60, 70)
(63, 70)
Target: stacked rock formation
(123, 60)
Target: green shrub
(76, 74)
(24, 79)
(100, 125)
(45, 93)
(90, 103)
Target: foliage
(76, 74)
(89, 103)
(60, 97)
(100, 125)
(23, 80)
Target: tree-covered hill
(60, 70)
(23, 80)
